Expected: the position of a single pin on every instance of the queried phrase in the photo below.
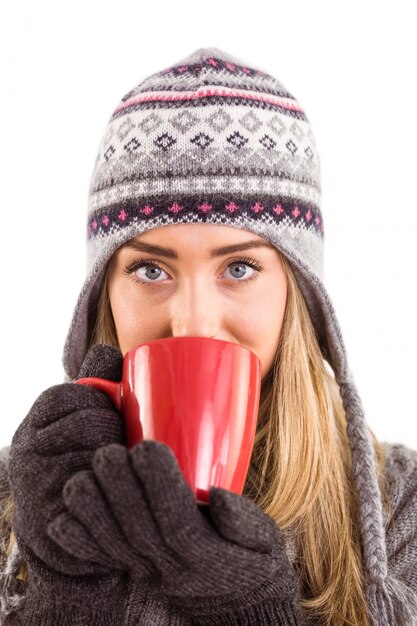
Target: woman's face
(177, 281)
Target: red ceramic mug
(198, 395)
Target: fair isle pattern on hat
(207, 140)
(214, 140)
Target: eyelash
(135, 265)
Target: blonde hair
(300, 472)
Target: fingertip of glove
(114, 453)
(242, 520)
(227, 500)
(58, 527)
(152, 446)
(150, 458)
(75, 484)
(150, 452)
(102, 361)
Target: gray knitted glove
(135, 509)
(58, 438)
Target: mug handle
(112, 389)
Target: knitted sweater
(144, 607)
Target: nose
(195, 311)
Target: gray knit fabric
(213, 139)
(144, 608)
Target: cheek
(133, 321)
(269, 326)
(266, 310)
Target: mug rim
(187, 338)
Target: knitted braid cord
(390, 602)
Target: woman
(205, 155)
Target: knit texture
(143, 607)
(58, 438)
(227, 557)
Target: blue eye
(153, 270)
(239, 266)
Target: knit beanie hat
(213, 139)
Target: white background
(351, 66)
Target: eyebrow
(141, 246)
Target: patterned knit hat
(212, 139)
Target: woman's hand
(57, 439)
(135, 510)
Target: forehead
(213, 238)
(207, 231)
